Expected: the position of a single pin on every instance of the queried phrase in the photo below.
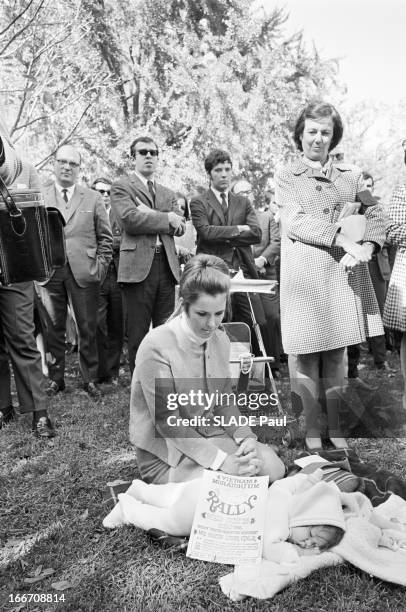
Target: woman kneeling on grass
(182, 369)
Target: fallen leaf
(62, 585)
(38, 570)
(47, 572)
(84, 515)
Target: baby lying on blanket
(301, 510)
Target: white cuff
(218, 460)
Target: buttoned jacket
(323, 307)
(89, 241)
(218, 234)
(139, 227)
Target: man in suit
(110, 325)
(17, 341)
(149, 218)
(227, 226)
(89, 249)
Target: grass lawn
(52, 507)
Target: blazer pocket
(92, 252)
(128, 247)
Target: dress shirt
(69, 191)
(218, 195)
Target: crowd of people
(323, 236)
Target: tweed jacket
(140, 227)
(394, 314)
(10, 164)
(116, 231)
(89, 241)
(219, 236)
(169, 361)
(270, 245)
(322, 306)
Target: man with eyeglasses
(89, 244)
(149, 217)
(110, 324)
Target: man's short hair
(215, 157)
(69, 144)
(142, 139)
(366, 176)
(101, 179)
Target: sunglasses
(144, 152)
(65, 162)
(103, 191)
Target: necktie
(65, 195)
(224, 204)
(151, 191)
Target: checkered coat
(394, 314)
(322, 306)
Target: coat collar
(215, 204)
(300, 167)
(137, 182)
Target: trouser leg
(17, 322)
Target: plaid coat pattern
(322, 306)
(394, 314)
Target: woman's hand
(360, 252)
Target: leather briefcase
(32, 242)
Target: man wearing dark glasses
(110, 326)
(149, 217)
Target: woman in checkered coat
(327, 298)
(394, 314)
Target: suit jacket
(270, 245)
(10, 164)
(89, 241)
(28, 177)
(170, 362)
(116, 231)
(219, 236)
(140, 227)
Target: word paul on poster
(228, 524)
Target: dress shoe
(385, 367)
(361, 384)
(92, 390)
(55, 387)
(6, 415)
(43, 428)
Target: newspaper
(229, 520)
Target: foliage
(195, 74)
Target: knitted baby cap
(319, 505)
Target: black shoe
(55, 387)
(43, 428)
(92, 390)
(6, 415)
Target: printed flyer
(229, 519)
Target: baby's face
(312, 536)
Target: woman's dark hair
(142, 139)
(217, 156)
(318, 110)
(202, 274)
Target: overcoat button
(326, 211)
(318, 187)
